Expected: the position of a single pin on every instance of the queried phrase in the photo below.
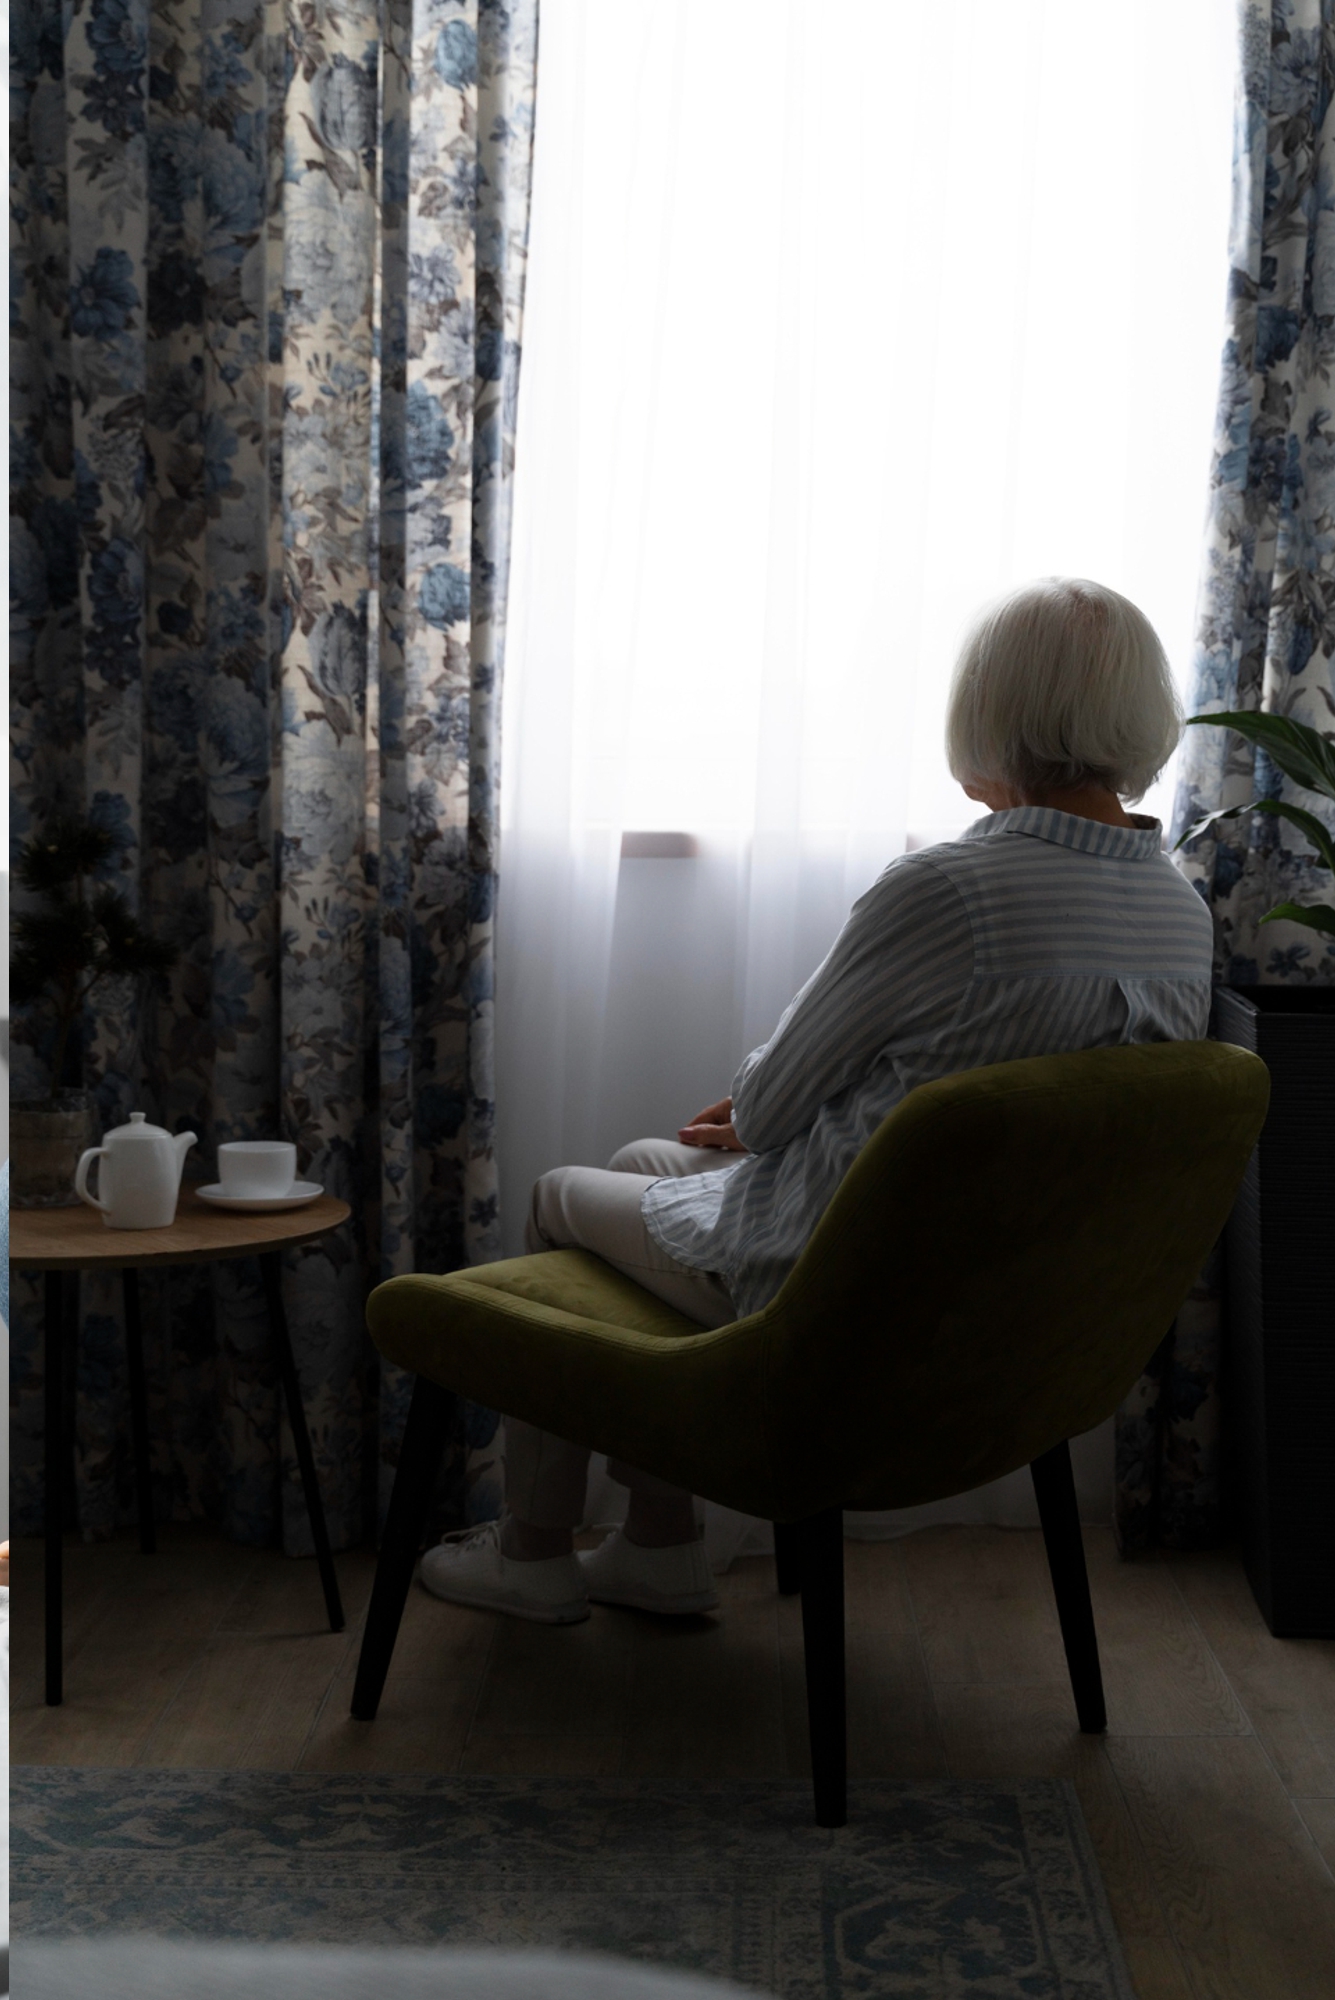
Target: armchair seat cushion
(567, 1342)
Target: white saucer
(297, 1196)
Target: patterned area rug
(932, 1892)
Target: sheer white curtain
(838, 323)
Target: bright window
(839, 322)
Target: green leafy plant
(1309, 759)
(81, 937)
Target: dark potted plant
(1280, 1329)
(78, 935)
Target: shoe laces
(487, 1534)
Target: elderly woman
(1054, 923)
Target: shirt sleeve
(898, 970)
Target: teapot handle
(81, 1178)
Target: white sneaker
(470, 1568)
(676, 1579)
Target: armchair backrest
(999, 1264)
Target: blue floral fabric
(265, 345)
(1267, 607)
(1266, 640)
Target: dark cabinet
(1279, 1347)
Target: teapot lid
(137, 1129)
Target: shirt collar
(1088, 836)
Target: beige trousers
(598, 1209)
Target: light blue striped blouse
(1033, 934)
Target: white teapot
(140, 1175)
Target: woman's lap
(668, 1159)
(598, 1209)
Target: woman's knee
(585, 1208)
(545, 1227)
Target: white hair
(1062, 683)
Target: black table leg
(271, 1268)
(143, 1469)
(54, 1473)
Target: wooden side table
(59, 1240)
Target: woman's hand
(713, 1127)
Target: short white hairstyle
(1062, 682)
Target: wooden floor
(1211, 1801)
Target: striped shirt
(1035, 933)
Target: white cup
(257, 1167)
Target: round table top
(53, 1239)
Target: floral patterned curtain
(1266, 641)
(269, 280)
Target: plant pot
(45, 1141)
(1279, 1334)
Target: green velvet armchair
(990, 1278)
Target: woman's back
(1036, 933)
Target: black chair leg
(424, 1439)
(1054, 1489)
(271, 1269)
(787, 1558)
(821, 1542)
(143, 1465)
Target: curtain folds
(1266, 640)
(269, 281)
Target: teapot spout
(183, 1142)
